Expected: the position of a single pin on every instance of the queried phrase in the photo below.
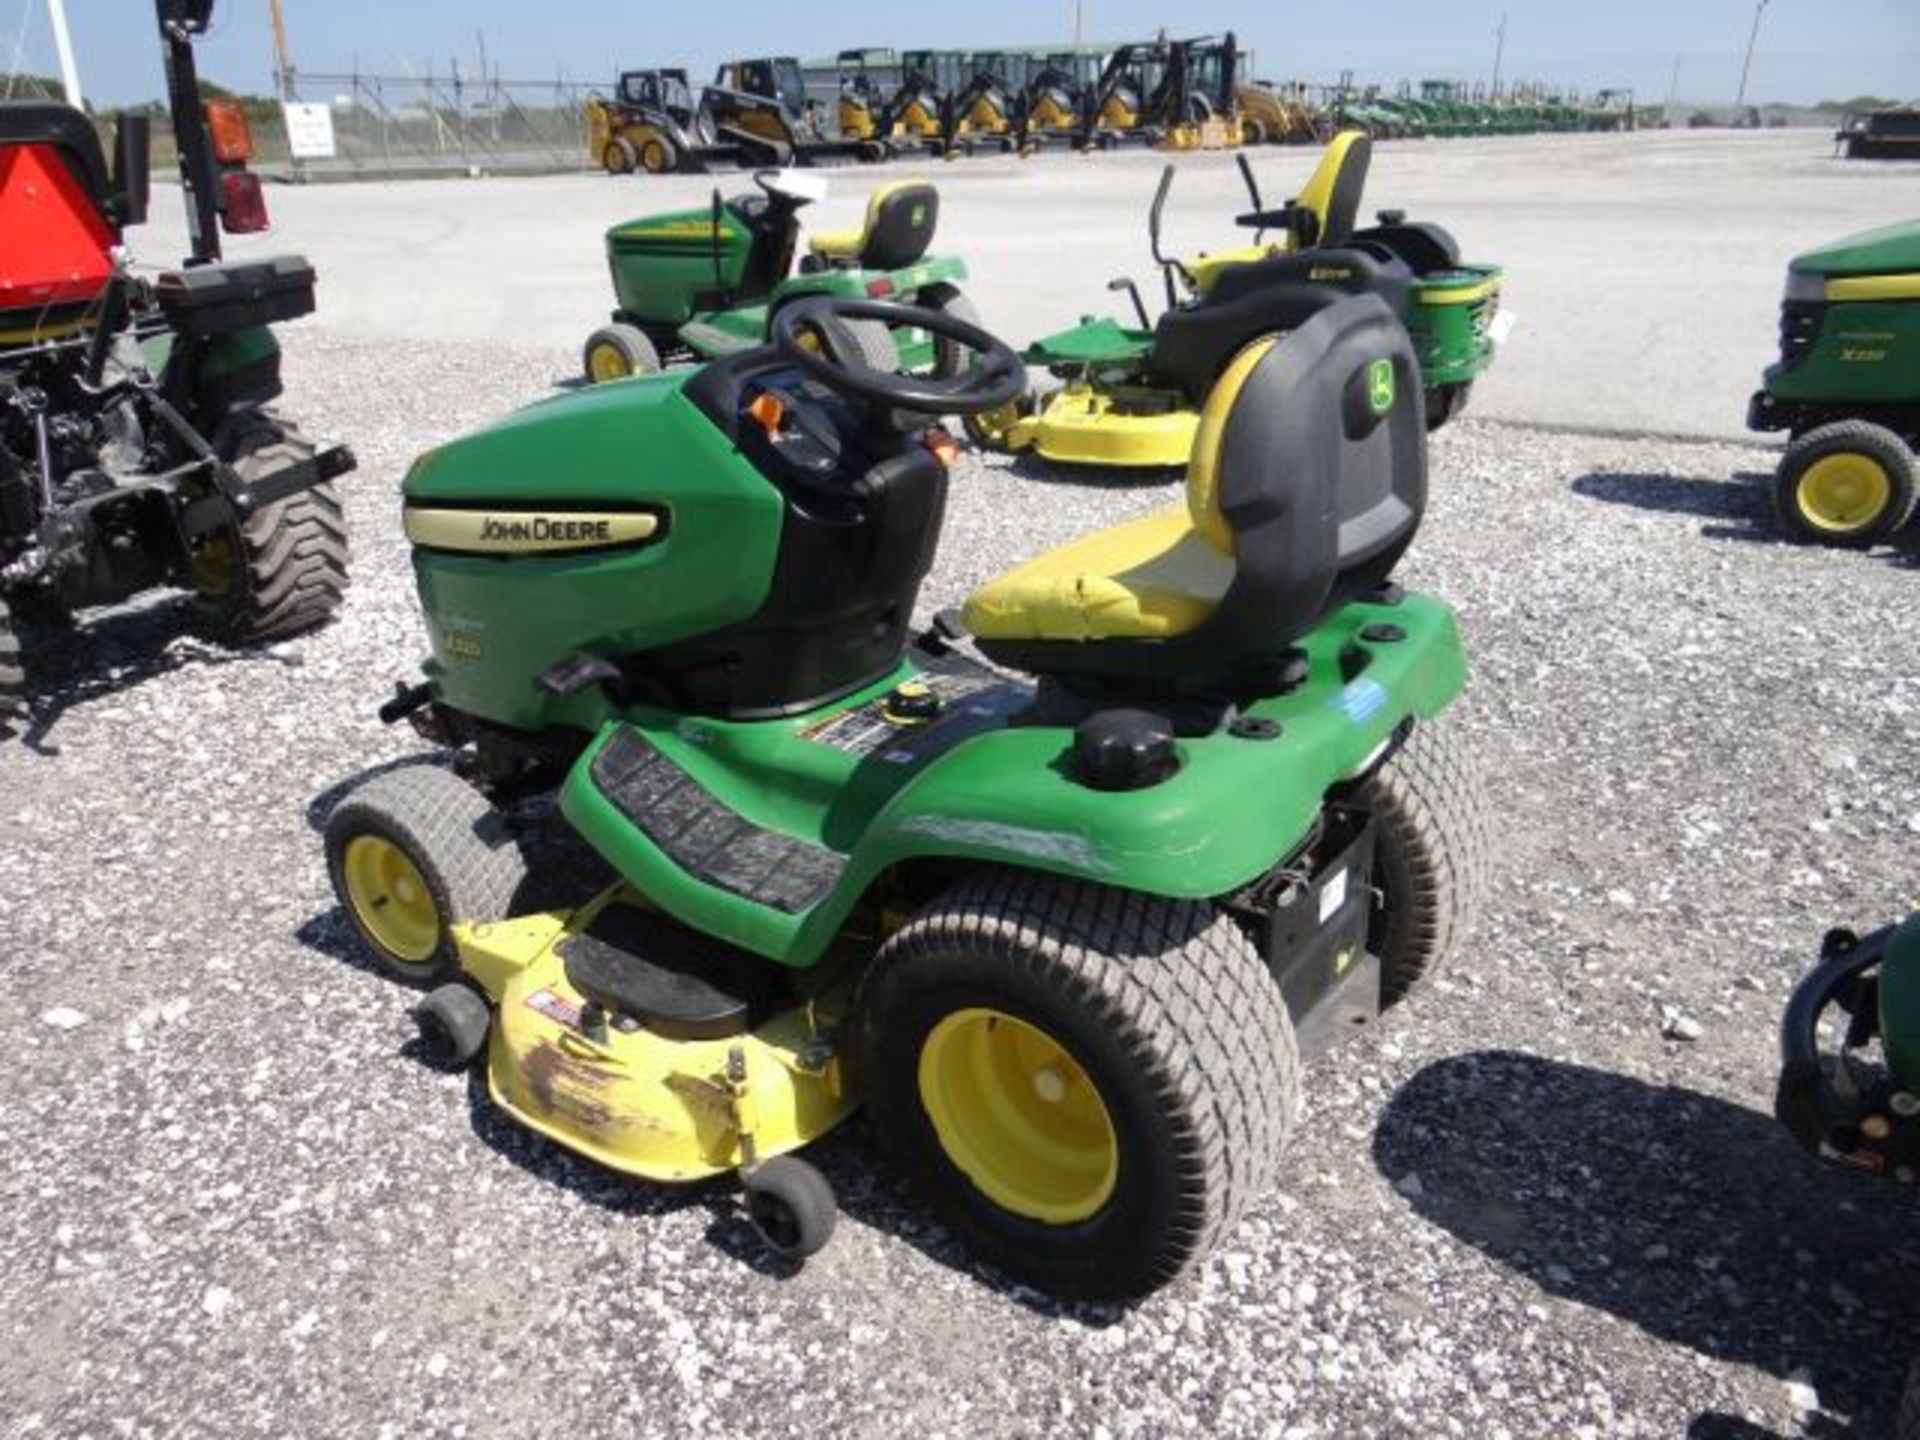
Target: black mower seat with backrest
(1307, 482)
(896, 232)
(1192, 344)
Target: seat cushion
(1155, 576)
(896, 231)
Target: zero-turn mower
(1133, 394)
(1846, 388)
(137, 449)
(1061, 890)
(693, 285)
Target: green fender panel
(1002, 797)
(1900, 1004)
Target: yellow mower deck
(1085, 424)
(657, 1108)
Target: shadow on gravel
(1740, 497)
(1695, 1219)
(72, 666)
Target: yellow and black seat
(1306, 484)
(896, 232)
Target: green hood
(1890, 250)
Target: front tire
(1090, 1085)
(1431, 842)
(1849, 484)
(617, 351)
(951, 359)
(1445, 402)
(412, 853)
(791, 1206)
(618, 157)
(282, 569)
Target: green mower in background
(695, 285)
(1846, 388)
(1849, 1089)
(1060, 888)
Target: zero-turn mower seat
(898, 228)
(1332, 194)
(1193, 343)
(1307, 482)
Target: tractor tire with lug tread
(790, 1205)
(283, 569)
(1433, 835)
(617, 351)
(413, 852)
(1906, 1425)
(13, 670)
(618, 157)
(1848, 484)
(453, 1022)
(1147, 1076)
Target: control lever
(1139, 306)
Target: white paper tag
(1500, 327)
(1332, 896)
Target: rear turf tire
(1161, 1008)
(1849, 484)
(283, 569)
(950, 360)
(1431, 843)
(617, 351)
(13, 670)
(413, 852)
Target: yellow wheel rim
(607, 362)
(653, 157)
(212, 568)
(390, 898)
(1844, 492)
(1018, 1116)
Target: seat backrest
(1311, 465)
(1332, 193)
(899, 225)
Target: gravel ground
(238, 1204)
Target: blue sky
(1802, 56)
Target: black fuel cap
(1123, 750)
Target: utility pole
(1077, 7)
(1747, 64)
(282, 66)
(1499, 50)
(63, 42)
(1673, 89)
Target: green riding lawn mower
(1133, 394)
(694, 285)
(1060, 889)
(1849, 1088)
(137, 448)
(1846, 388)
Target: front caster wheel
(453, 1023)
(791, 1206)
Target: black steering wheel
(997, 378)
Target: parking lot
(237, 1203)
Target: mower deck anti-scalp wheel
(1431, 842)
(413, 852)
(282, 569)
(1090, 1085)
(453, 1022)
(613, 352)
(13, 671)
(1849, 484)
(790, 1205)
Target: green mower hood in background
(1887, 250)
(1900, 1004)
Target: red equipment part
(54, 241)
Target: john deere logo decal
(1380, 386)
(526, 532)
